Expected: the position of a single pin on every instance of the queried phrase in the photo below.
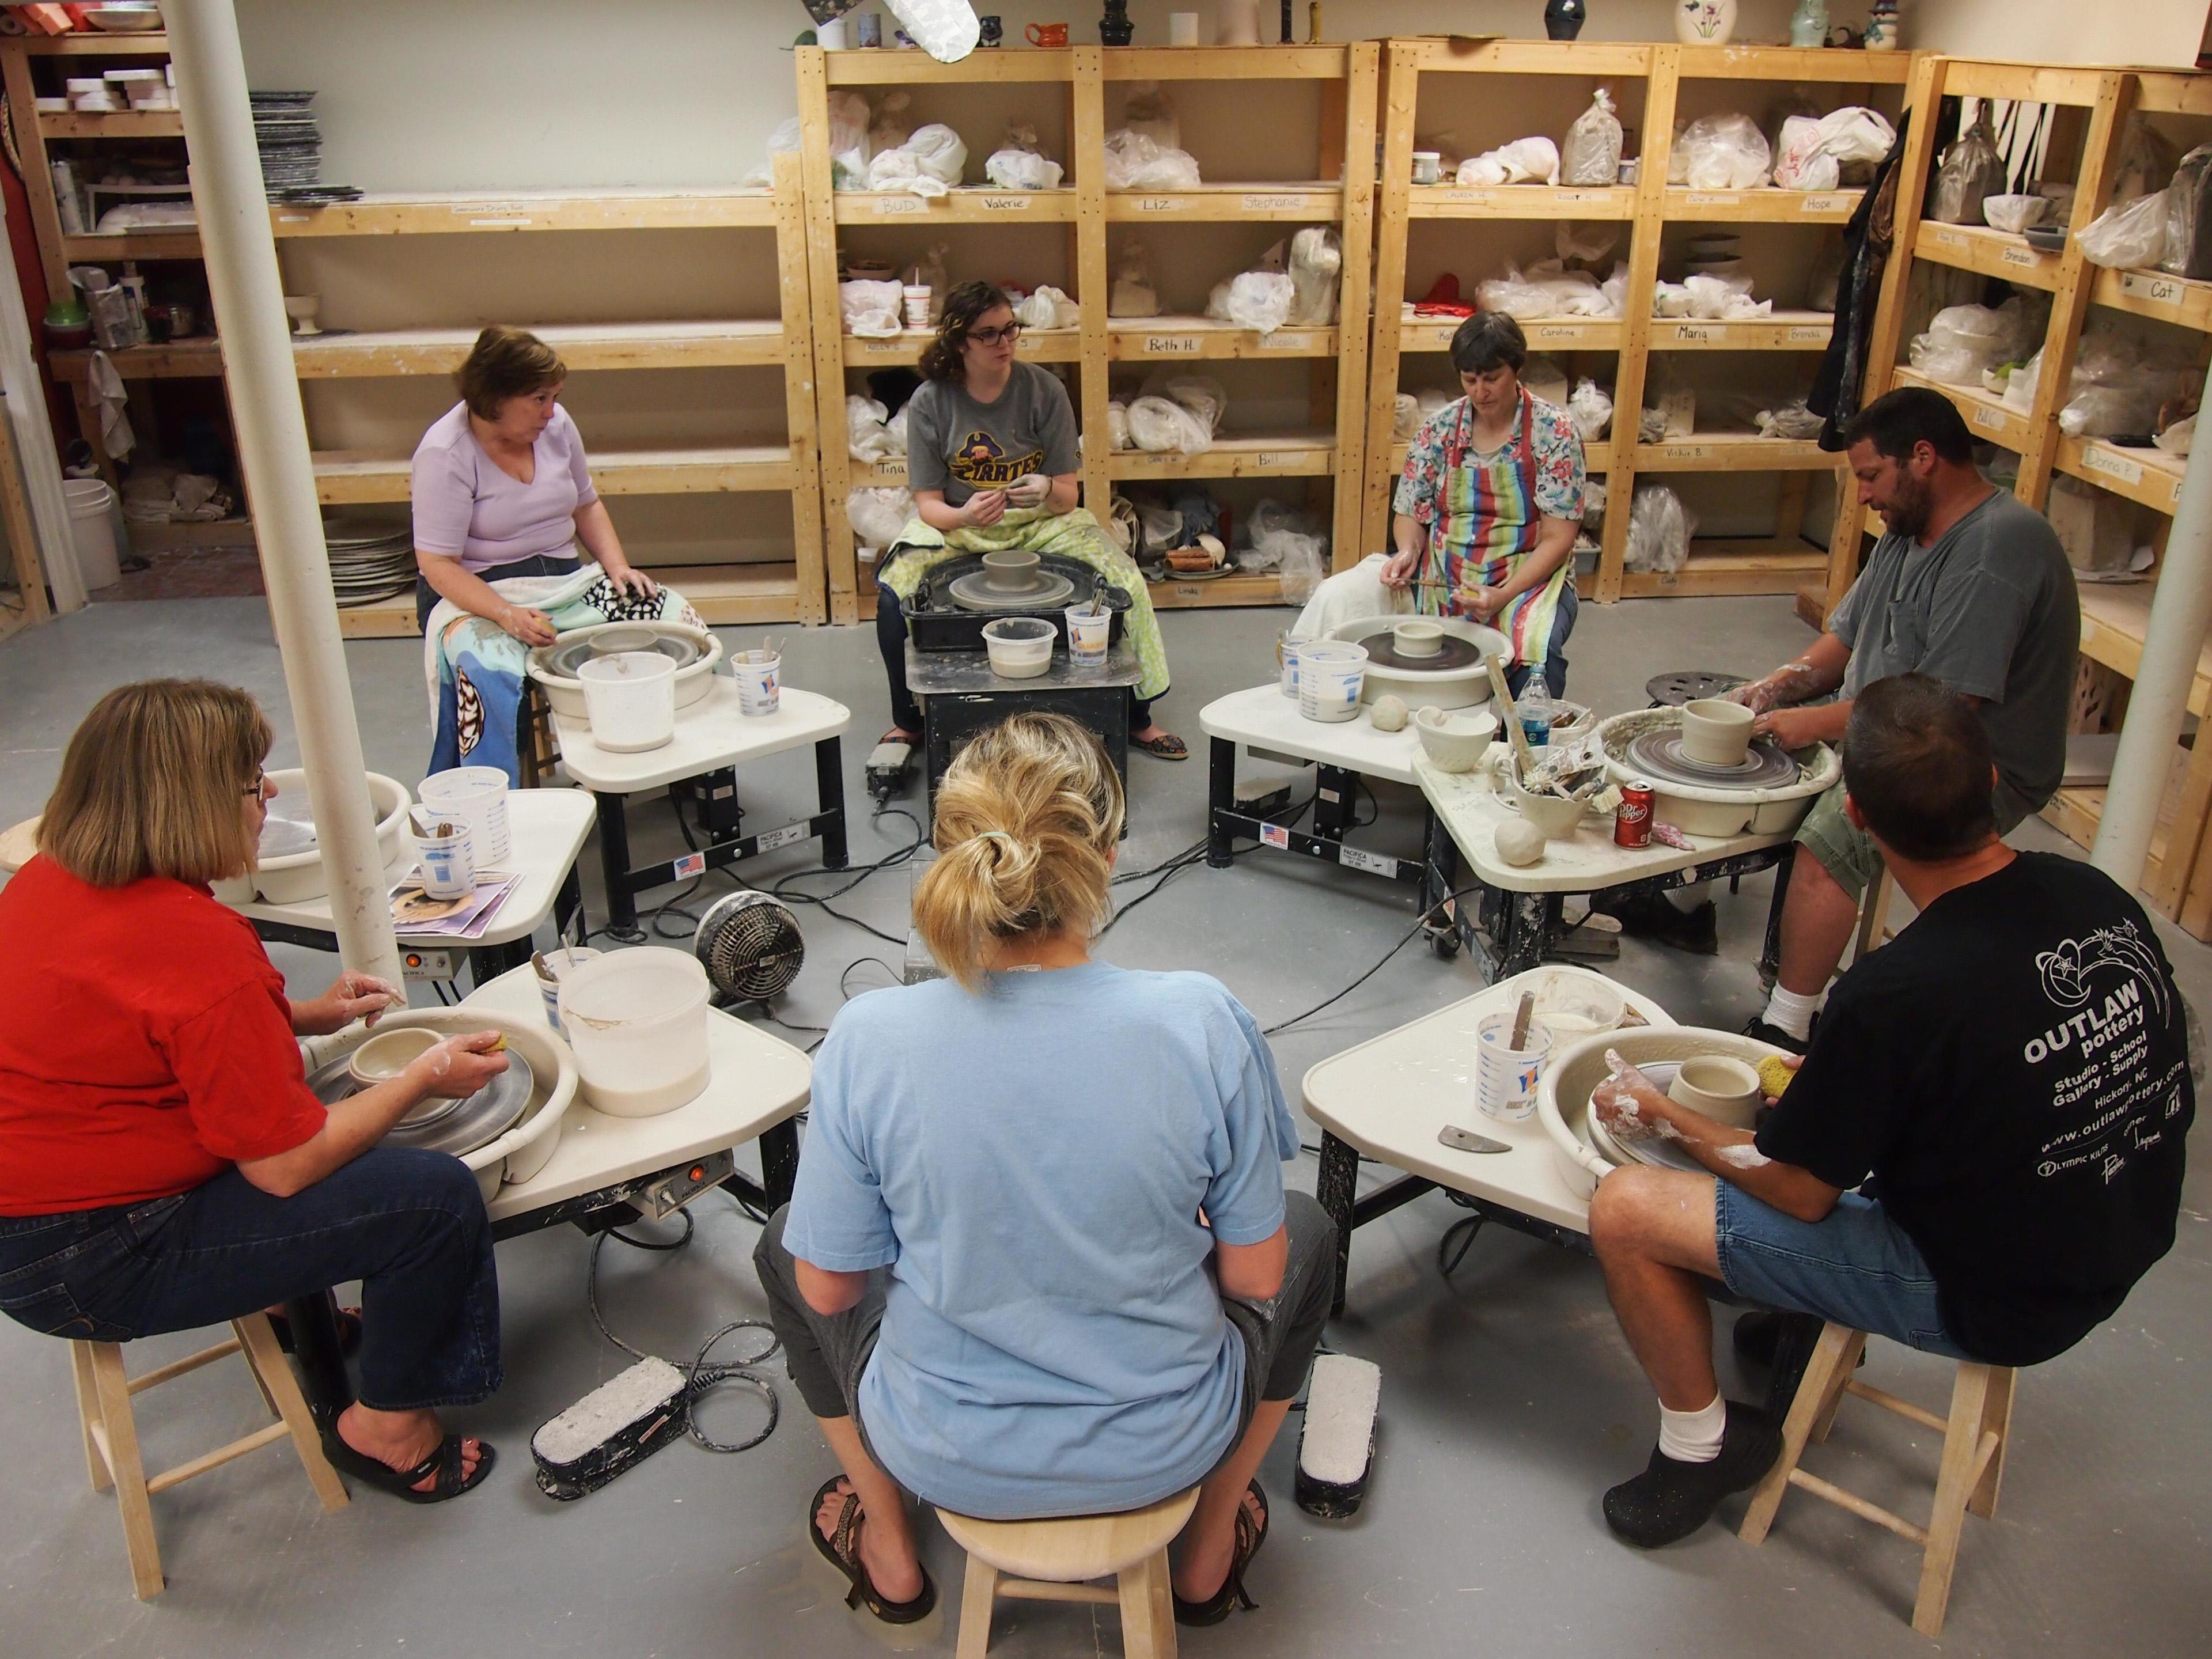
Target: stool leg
(1969, 1397)
(1997, 1417)
(1846, 1363)
(88, 1414)
(1147, 1612)
(1812, 1392)
(977, 1592)
(282, 1390)
(122, 1431)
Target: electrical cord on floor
(701, 1376)
(1420, 922)
(898, 977)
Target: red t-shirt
(145, 1043)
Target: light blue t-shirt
(1030, 1162)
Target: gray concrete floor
(1510, 1400)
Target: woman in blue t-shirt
(1040, 1261)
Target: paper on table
(415, 912)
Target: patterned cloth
(475, 669)
(1073, 535)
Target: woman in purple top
(501, 489)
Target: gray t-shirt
(1990, 611)
(959, 446)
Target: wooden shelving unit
(1325, 445)
(1656, 76)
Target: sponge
(1774, 1075)
(1338, 1441)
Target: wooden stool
(111, 1432)
(1056, 1560)
(1972, 1466)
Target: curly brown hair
(945, 358)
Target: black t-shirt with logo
(2012, 1072)
(959, 446)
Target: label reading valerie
(1003, 203)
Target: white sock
(1788, 1011)
(1687, 899)
(1692, 1436)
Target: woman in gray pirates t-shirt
(991, 445)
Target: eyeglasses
(991, 336)
(259, 789)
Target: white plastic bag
(1284, 540)
(1612, 293)
(946, 29)
(1544, 290)
(1316, 260)
(1659, 531)
(1133, 295)
(1258, 300)
(1200, 395)
(1722, 298)
(1814, 151)
(1591, 410)
(888, 127)
(878, 514)
(929, 163)
(1018, 166)
(1136, 161)
(1583, 244)
(1591, 154)
(1791, 420)
(2015, 213)
(1720, 152)
(1117, 424)
(849, 118)
(1960, 343)
(865, 438)
(1525, 160)
(2148, 159)
(872, 309)
(2129, 237)
(1048, 307)
(785, 137)
(2176, 438)
(1405, 417)
(1159, 425)
(1150, 112)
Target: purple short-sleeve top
(467, 507)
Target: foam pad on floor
(1338, 1442)
(617, 1426)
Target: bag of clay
(1523, 161)
(784, 139)
(2016, 214)
(1715, 299)
(848, 141)
(1720, 152)
(1120, 526)
(1159, 527)
(2176, 438)
(1591, 410)
(888, 127)
(1048, 307)
(2148, 159)
(1316, 261)
(1542, 379)
(1150, 112)
(1200, 395)
(1286, 540)
(1133, 295)
(1583, 245)
(872, 309)
(1404, 417)
(1971, 170)
(1257, 300)
(2018, 383)
(1117, 424)
(1134, 161)
(1160, 426)
(1017, 165)
(929, 163)
(1792, 420)
(2106, 411)
(2189, 217)
(1612, 293)
(1813, 152)
(865, 438)
(2129, 237)
(1659, 529)
(878, 515)
(1591, 154)
(1962, 342)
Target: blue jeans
(1858, 1267)
(409, 1224)
(1555, 667)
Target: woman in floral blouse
(1487, 510)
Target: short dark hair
(1898, 422)
(1486, 341)
(507, 362)
(1917, 761)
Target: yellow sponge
(1774, 1075)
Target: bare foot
(895, 1579)
(1203, 1564)
(401, 1439)
(900, 734)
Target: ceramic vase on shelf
(1881, 26)
(1238, 23)
(1705, 22)
(1808, 26)
(1114, 29)
(1564, 19)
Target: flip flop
(445, 1463)
(842, 1553)
(1166, 747)
(1250, 1535)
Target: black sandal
(445, 1463)
(841, 1551)
(1167, 747)
(348, 1324)
(1250, 1535)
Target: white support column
(2171, 643)
(241, 252)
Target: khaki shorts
(1848, 854)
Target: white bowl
(1714, 731)
(389, 1051)
(299, 877)
(1455, 742)
(1563, 1097)
(1555, 818)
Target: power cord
(1420, 922)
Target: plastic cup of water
(759, 675)
(449, 869)
(1506, 1078)
(1089, 634)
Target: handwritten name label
(1686, 452)
(888, 349)
(1170, 345)
(495, 224)
(1579, 198)
(1273, 203)
(1284, 339)
(1809, 334)
(2160, 291)
(894, 472)
(1157, 204)
(1713, 198)
(1003, 203)
(889, 206)
(1825, 205)
(1482, 197)
(2025, 258)
(291, 218)
(1690, 334)
(1991, 420)
(1561, 331)
(1950, 238)
(1268, 459)
(2095, 459)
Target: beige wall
(2166, 34)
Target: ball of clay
(1519, 843)
(1388, 713)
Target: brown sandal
(841, 1550)
(1250, 1535)
(1167, 747)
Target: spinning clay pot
(1388, 713)
(1714, 731)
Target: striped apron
(1486, 524)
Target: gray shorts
(1848, 854)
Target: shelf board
(480, 211)
(1222, 590)
(1542, 333)
(1036, 345)
(1989, 421)
(1520, 202)
(1272, 455)
(1167, 338)
(880, 66)
(2182, 92)
(969, 204)
(1270, 63)
(1731, 566)
(134, 245)
(1467, 54)
(1298, 201)
(348, 476)
(2149, 476)
(581, 345)
(1597, 458)
(123, 123)
(1785, 65)
(729, 595)
(2075, 812)
(1735, 451)
(2115, 616)
(1764, 206)
(1989, 252)
(1785, 330)
(120, 43)
(383, 619)
(192, 359)
(2175, 299)
(2031, 83)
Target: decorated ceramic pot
(1564, 19)
(1705, 22)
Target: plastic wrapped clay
(1388, 712)
(866, 437)
(785, 137)
(1591, 410)
(1591, 154)
(1972, 171)
(1133, 295)
(1136, 161)
(1316, 261)
(878, 515)
(1405, 417)
(849, 118)
(1117, 424)
(1520, 843)
(1257, 300)
(1720, 152)
(1525, 160)
(1815, 150)
(2130, 236)
(872, 309)
(1048, 307)
(1018, 166)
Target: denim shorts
(1857, 1269)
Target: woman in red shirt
(163, 1164)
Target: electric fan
(751, 946)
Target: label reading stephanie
(1375, 864)
(1990, 420)
(1003, 203)
(1713, 198)
(2097, 458)
(790, 835)
(894, 205)
(1824, 204)
(1809, 334)
(1171, 345)
(1272, 203)
(2158, 290)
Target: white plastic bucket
(1019, 647)
(637, 1022)
(1330, 674)
(1089, 635)
(759, 675)
(476, 796)
(1506, 1078)
(448, 869)
(90, 502)
(630, 700)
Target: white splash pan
(527, 1147)
(1563, 1096)
(566, 692)
(1714, 809)
(1445, 687)
(297, 877)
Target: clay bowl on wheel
(1010, 571)
(1716, 732)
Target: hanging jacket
(1839, 384)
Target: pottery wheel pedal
(886, 768)
(1337, 1444)
(612, 1430)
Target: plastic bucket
(1506, 1078)
(630, 700)
(476, 796)
(1019, 647)
(90, 502)
(1330, 674)
(759, 675)
(449, 870)
(637, 1022)
(551, 968)
(1089, 635)
(1287, 654)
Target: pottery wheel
(564, 657)
(1658, 754)
(976, 592)
(1452, 653)
(1659, 1154)
(458, 1126)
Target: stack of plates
(291, 146)
(370, 559)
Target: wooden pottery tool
(1521, 1017)
(1525, 759)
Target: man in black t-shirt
(2008, 1083)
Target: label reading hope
(2097, 459)
(1824, 203)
